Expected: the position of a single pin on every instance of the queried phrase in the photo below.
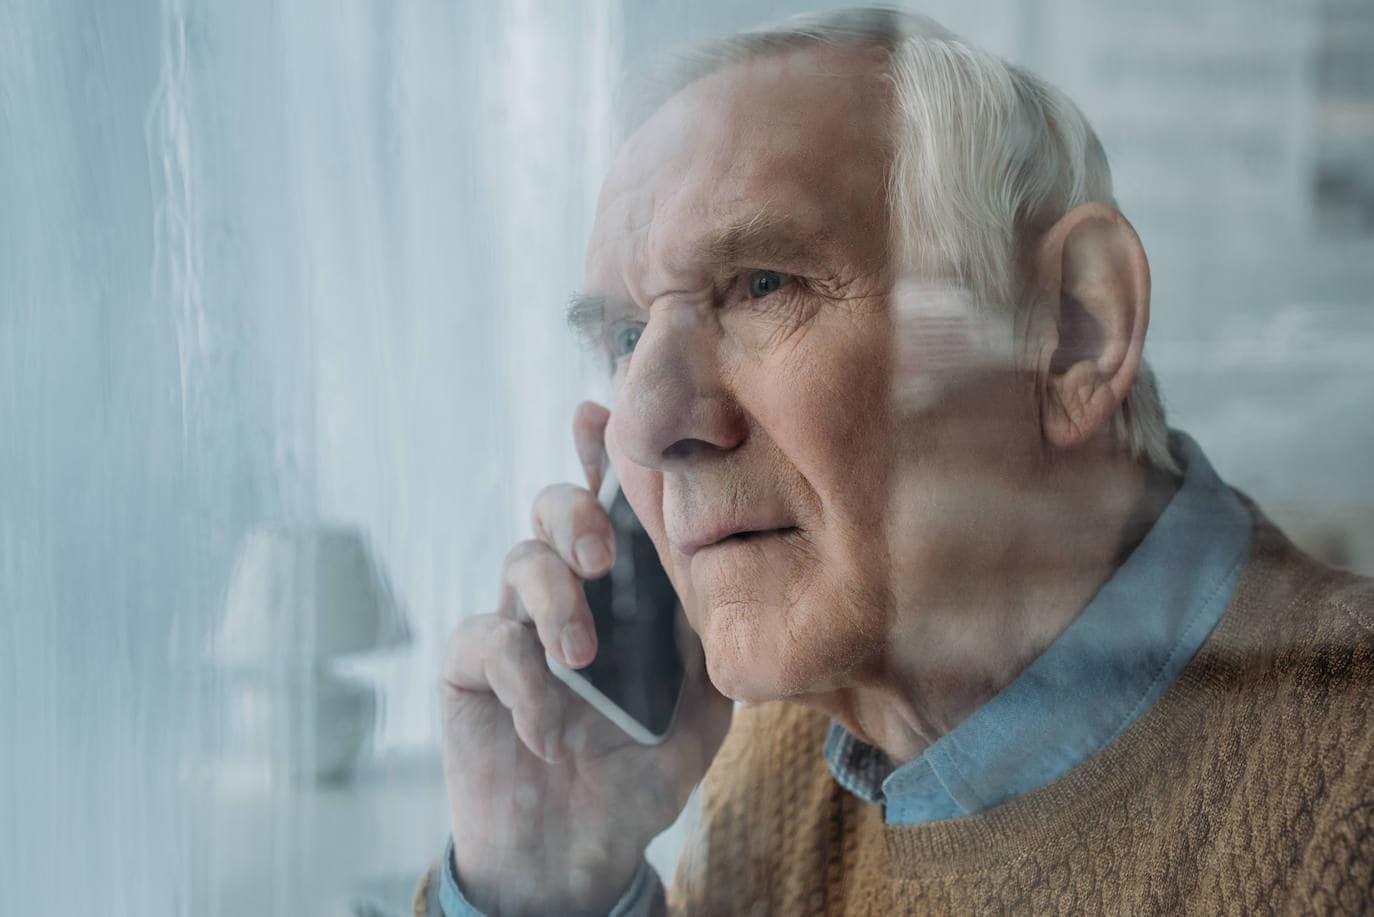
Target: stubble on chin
(826, 642)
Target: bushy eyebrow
(586, 316)
(764, 240)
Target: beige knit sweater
(1247, 787)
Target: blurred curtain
(260, 262)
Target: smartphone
(637, 676)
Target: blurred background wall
(304, 264)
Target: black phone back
(638, 661)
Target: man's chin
(747, 661)
(733, 661)
(754, 656)
(741, 687)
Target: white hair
(986, 157)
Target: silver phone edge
(609, 708)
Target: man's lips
(729, 534)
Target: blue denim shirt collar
(1109, 665)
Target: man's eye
(761, 283)
(623, 341)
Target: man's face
(740, 261)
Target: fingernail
(591, 553)
(577, 645)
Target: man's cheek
(676, 566)
(832, 415)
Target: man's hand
(551, 804)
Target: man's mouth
(737, 537)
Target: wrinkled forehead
(800, 136)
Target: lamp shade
(306, 594)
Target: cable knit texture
(1248, 787)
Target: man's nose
(674, 405)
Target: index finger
(571, 521)
(589, 436)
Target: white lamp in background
(300, 599)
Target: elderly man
(1002, 641)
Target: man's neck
(966, 638)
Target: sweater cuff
(637, 901)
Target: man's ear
(1095, 279)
